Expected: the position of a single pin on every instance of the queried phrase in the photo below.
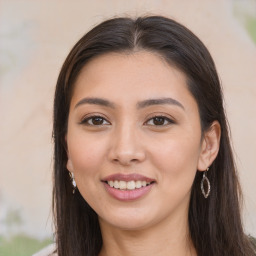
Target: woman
(143, 163)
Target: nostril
(125, 160)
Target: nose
(126, 146)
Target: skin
(129, 141)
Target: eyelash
(87, 119)
(166, 119)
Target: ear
(69, 162)
(210, 146)
(70, 165)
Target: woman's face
(134, 139)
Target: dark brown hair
(214, 223)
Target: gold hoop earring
(203, 181)
(73, 182)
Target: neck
(160, 239)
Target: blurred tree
(13, 220)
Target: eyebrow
(161, 101)
(139, 105)
(95, 101)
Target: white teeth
(130, 185)
(138, 184)
(122, 184)
(116, 184)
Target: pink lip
(128, 195)
(127, 177)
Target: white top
(47, 251)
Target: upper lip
(127, 177)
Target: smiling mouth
(128, 185)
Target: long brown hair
(214, 223)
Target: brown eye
(159, 121)
(95, 121)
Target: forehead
(132, 76)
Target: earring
(205, 179)
(71, 174)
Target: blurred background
(36, 36)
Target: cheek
(86, 153)
(87, 156)
(176, 159)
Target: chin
(129, 225)
(128, 221)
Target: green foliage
(253, 241)
(13, 218)
(243, 11)
(21, 245)
(251, 27)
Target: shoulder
(47, 251)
